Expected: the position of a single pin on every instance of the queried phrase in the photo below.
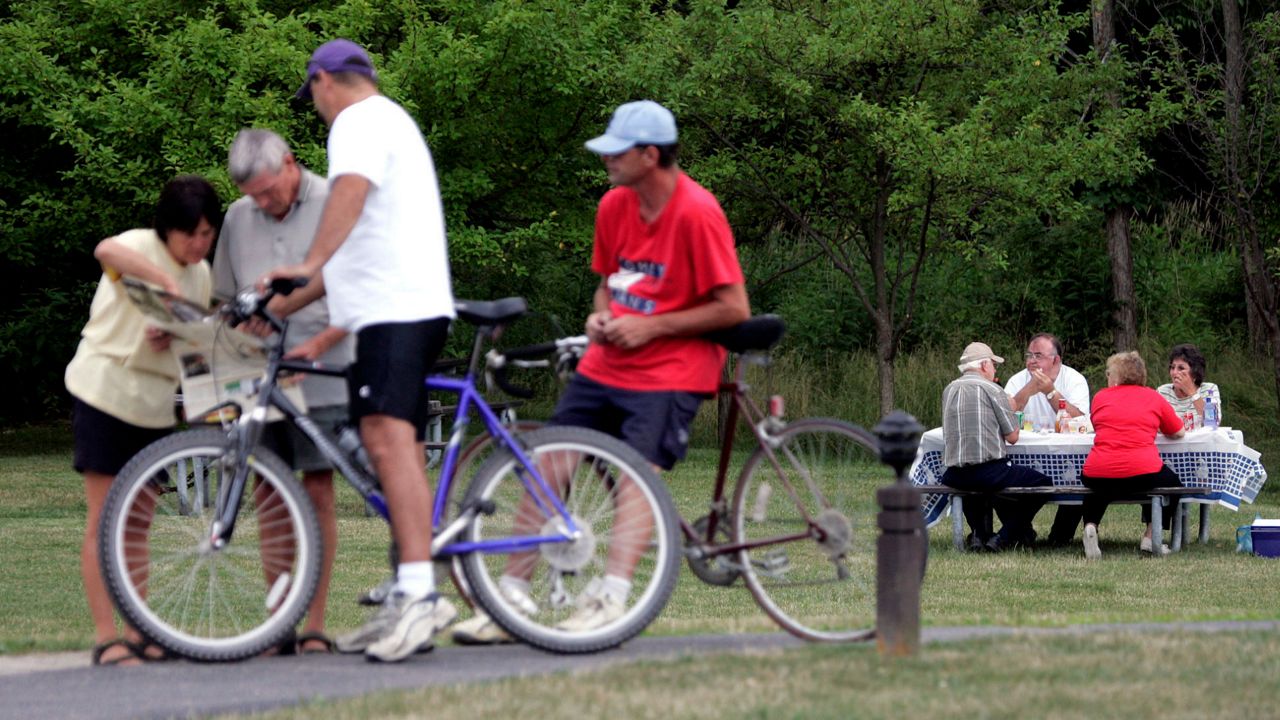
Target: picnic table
(1216, 461)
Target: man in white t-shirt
(381, 247)
(1037, 392)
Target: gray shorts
(294, 448)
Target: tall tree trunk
(1232, 156)
(1120, 250)
(1259, 284)
(1119, 243)
(885, 374)
(884, 301)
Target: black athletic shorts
(391, 368)
(104, 442)
(655, 423)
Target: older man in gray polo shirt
(272, 225)
(976, 423)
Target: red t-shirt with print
(650, 269)
(1125, 419)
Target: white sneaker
(1091, 550)
(480, 630)
(414, 622)
(594, 611)
(373, 630)
(1146, 545)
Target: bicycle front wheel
(809, 527)
(170, 582)
(627, 529)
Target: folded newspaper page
(218, 364)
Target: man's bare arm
(342, 209)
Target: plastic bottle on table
(1060, 421)
(1212, 411)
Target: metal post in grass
(902, 546)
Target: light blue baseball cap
(643, 122)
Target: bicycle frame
(743, 406)
(249, 433)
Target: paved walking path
(63, 685)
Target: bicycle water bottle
(349, 442)
(1212, 413)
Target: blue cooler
(1265, 535)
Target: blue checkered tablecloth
(1216, 460)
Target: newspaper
(218, 364)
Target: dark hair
(1191, 354)
(1057, 345)
(666, 153)
(184, 201)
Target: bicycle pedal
(773, 564)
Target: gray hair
(972, 365)
(255, 151)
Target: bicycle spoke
(164, 573)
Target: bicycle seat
(491, 312)
(759, 333)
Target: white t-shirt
(394, 266)
(1038, 410)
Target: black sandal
(135, 652)
(306, 637)
(153, 653)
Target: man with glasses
(1036, 392)
(976, 423)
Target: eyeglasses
(1038, 356)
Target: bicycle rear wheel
(628, 526)
(166, 578)
(820, 584)
(469, 459)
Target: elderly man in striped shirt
(976, 422)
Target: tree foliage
(896, 173)
(868, 136)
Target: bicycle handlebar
(566, 350)
(251, 303)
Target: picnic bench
(1160, 498)
(1215, 467)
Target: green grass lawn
(1176, 674)
(41, 520)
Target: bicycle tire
(561, 573)
(204, 604)
(822, 587)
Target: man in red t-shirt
(670, 274)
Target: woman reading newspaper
(123, 376)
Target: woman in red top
(1124, 460)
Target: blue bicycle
(211, 549)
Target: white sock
(616, 588)
(416, 579)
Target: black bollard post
(902, 546)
